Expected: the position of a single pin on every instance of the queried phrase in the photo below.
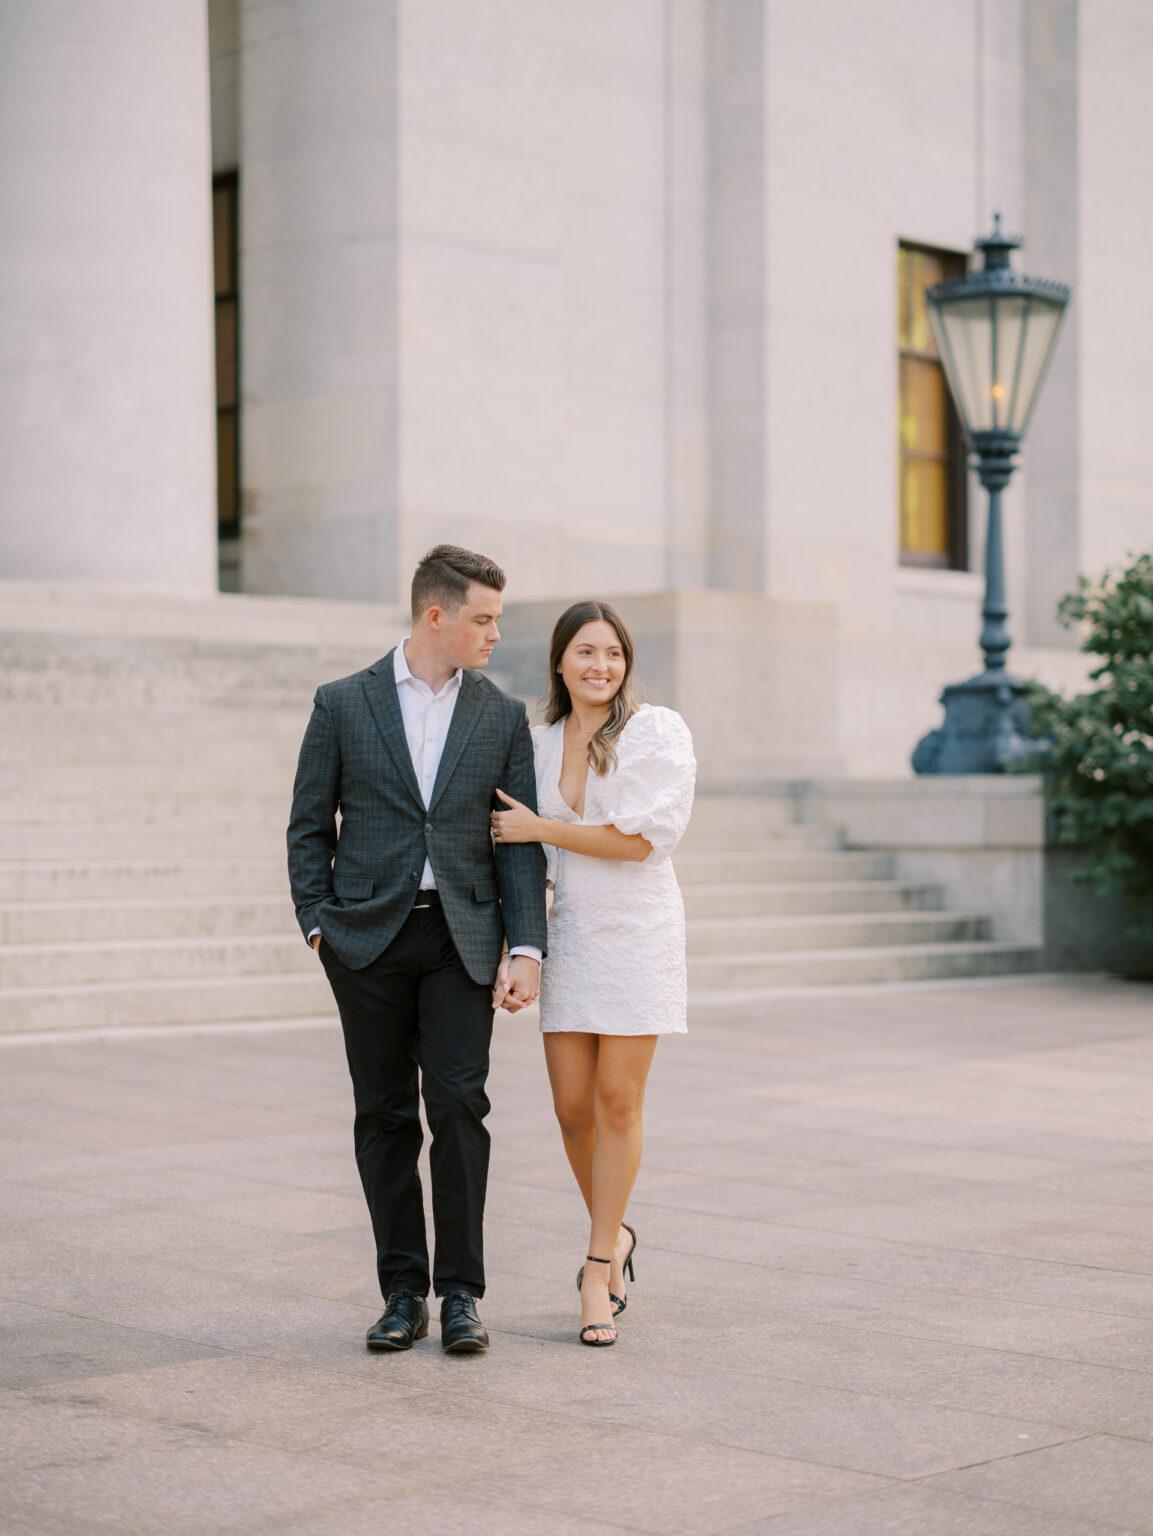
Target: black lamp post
(996, 330)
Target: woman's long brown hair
(602, 753)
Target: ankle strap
(595, 1260)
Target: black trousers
(415, 1022)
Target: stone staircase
(144, 789)
(777, 902)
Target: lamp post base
(985, 730)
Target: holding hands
(516, 825)
(517, 983)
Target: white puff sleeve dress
(616, 934)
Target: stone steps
(763, 868)
(819, 931)
(206, 839)
(177, 959)
(770, 837)
(132, 919)
(259, 802)
(85, 879)
(225, 952)
(841, 967)
(305, 993)
(221, 897)
(723, 901)
(103, 762)
(148, 766)
(145, 782)
(187, 1001)
(91, 777)
(231, 725)
(157, 831)
(97, 940)
(81, 814)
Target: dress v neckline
(575, 814)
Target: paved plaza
(895, 1279)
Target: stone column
(1052, 511)
(107, 458)
(737, 296)
(1111, 317)
(318, 299)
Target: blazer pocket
(485, 890)
(350, 889)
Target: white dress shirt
(427, 717)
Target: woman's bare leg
(571, 1060)
(623, 1063)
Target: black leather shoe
(403, 1321)
(461, 1331)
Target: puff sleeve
(651, 791)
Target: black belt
(426, 899)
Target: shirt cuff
(312, 934)
(526, 949)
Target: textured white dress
(616, 932)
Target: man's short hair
(444, 575)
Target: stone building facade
(611, 289)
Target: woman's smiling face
(593, 665)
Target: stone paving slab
(895, 1276)
(1099, 1478)
(922, 1511)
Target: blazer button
(428, 826)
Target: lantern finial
(997, 246)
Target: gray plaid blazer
(359, 885)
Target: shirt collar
(403, 675)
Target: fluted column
(107, 456)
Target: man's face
(467, 637)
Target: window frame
(956, 455)
(227, 182)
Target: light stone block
(106, 293)
(981, 836)
(318, 273)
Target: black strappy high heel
(618, 1303)
(593, 1328)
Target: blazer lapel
(471, 704)
(380, 691)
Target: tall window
(932, 469)
(226, 263)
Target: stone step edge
(807, 887)
(831, 919)
(222, 941)
(275, 827)
(704, 997)
(774, 850)
(157, 861)
(51, 1035)
(154, 984)
(51, 904)
(873, 952)
(120, 945)
(47, 905)
(265, 978)
(740, 997)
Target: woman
(615, 790)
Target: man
(409, 907)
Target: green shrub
(1097, 748)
